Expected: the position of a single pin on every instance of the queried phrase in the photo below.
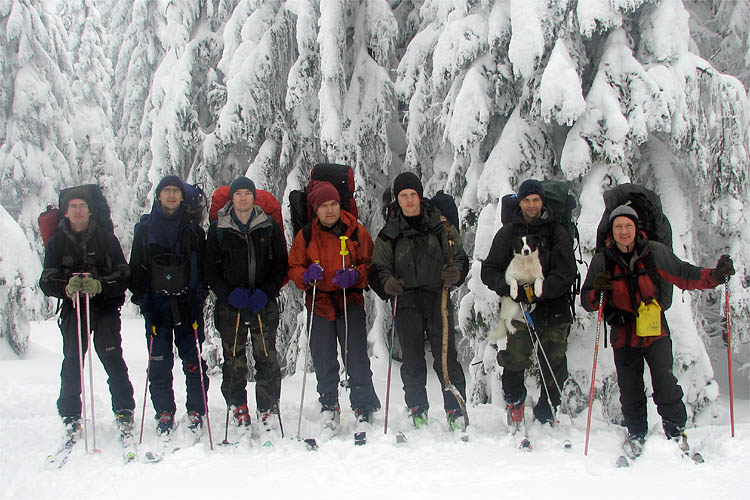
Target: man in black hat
(412, 261)
(81, 246)
(166, 283)
(245, 266)
(551, 316)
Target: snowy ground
(433, 464)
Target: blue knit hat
(170, 180)
(530, 186)
(242, 183)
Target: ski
(310, 444)
(129, 451)
(401, 439)
(156, 456)
(525, 444)
(60, 457)
(567, 445)
(360, 438)
(622, 462)
(684, 447)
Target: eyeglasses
(78, 206)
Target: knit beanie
(530, 186)
(322, 192)
(78, 193)
(170, 180)
(623, 211)
(407, 180)
(242, 183)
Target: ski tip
(525, 445)
(567, 444)
(698, 458)
(401, 438)
(311, 444)
(360, 438)
(622, 462)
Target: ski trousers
(629, 363)
(256, 332)
(323, 339)
(105, 325)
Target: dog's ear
(533, 242)
(517, 244)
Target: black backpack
(647, 205)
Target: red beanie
(322, 192)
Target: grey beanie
(623, 211)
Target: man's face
(623, 231)
(243, 200)
(531, 207)
(170, 198)
(410, 202)
(329, 213)
(78, 213)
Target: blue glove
(257, 300)
(313, 273)
(240, 298)
(345, 278)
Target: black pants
(162, 356)
(667, 393)
(412, 325)
(108, 345)
(261, 328)
(323, 339)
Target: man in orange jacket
(316, 260)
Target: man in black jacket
(166, 284)
(412, 261)
(552, 315)
(80, 246)
(245, 267)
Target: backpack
(342, 178)
(49, 220)
(647, 205)
(195, 202)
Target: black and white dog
(524, 269)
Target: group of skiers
(417, 257)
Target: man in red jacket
(315, 260)
(636, 275)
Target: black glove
(725, 267)
(450, 276)
(393, 286)
(602, 282)
(526, 294)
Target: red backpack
(263, 199)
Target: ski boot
(242, 416)
(331, 418)
(454, 420)
(124, 423)
(73, 429)
(269, 427)
(544, 414)
(165, 423)
(632, 447)
(514, 417)
(418, 417)
(195, 424)
(363, 418)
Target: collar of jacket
(397, 223)
(642, 249)
(78, 238)
(259, 219)
(346, 219)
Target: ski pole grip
(343, 251)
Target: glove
(91, 286)
(602, 282)
(393, 286)
(73, 286)
(257, 300)
(450, 275)
(725, 267)
(345, 278)
(240, 298)
(526, 295)
(313, 273)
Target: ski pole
(203, 385)
(307, 356)
(593, 371)
(265, 350)
(729, 354)
(390, 362)
(77, 305)
(91, 373)
(148, 372)
(231, 378)
(344, 252)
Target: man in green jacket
(412, 261)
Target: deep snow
(434, 463)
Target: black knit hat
(530, 186)
(623, 211)
(407, 180)
(79, 193)
(242, 183)
(170, 180)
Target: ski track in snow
(433, 464)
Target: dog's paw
(513, 290)
(538, 284)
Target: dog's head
(525, 245)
